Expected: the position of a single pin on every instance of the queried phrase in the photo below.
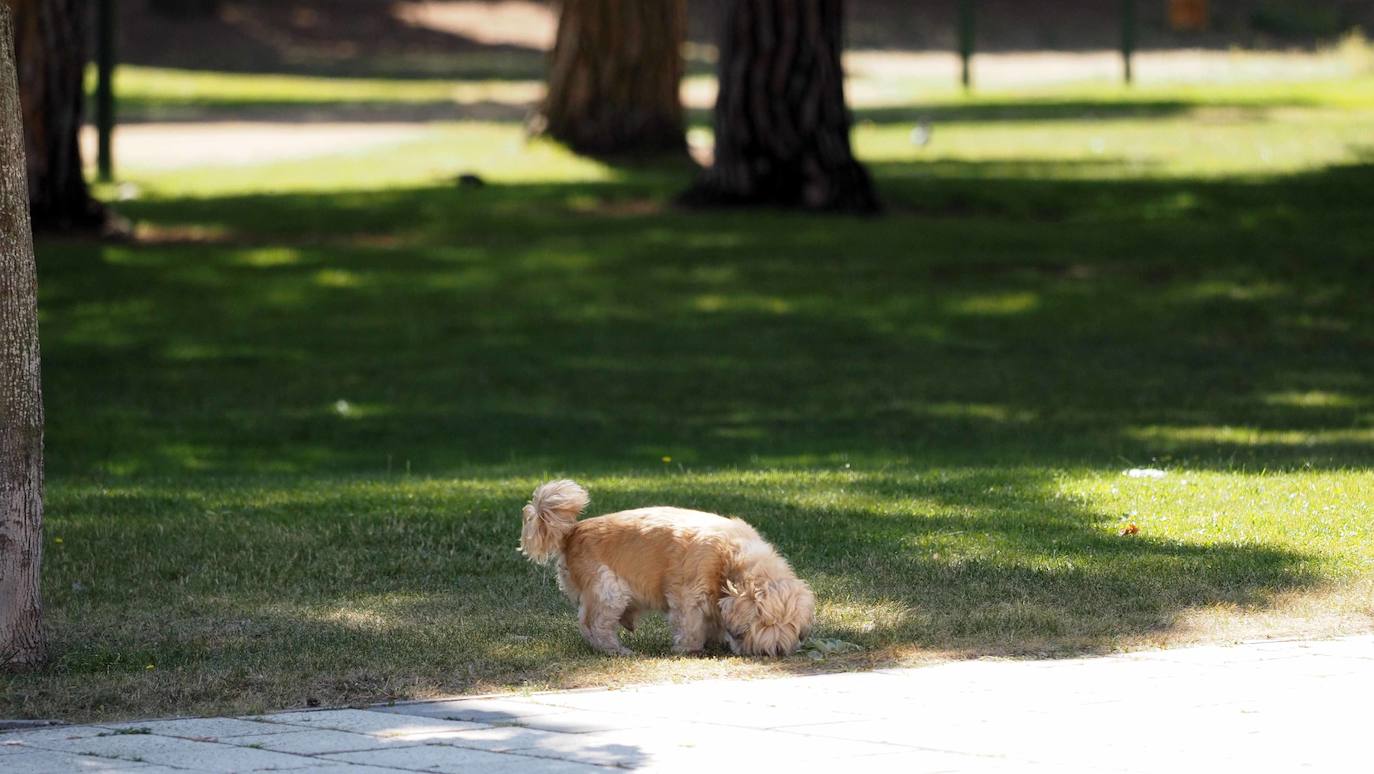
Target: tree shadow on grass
(366, 39)
(135, 110)
(1032, 109)
(991, 318)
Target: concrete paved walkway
(1260, 707)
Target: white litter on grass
(922, 132)
(1145, 473)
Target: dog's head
(769, 618)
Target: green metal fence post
(1128, 39)
(966, 41)
(104, 88)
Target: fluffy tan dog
(717, 578)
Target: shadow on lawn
(995, 112)
(986, 320)
(134, 110)
(517, 108)
(367, 39)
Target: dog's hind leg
(687, 618)
(629, 618)
(603, 604)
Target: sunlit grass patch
(1168, 437)
(499, 154)
(1315, 399)
(150, 93)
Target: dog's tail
(549, 517)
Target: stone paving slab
(180, 753)
(201, 728)
(335, 767)
(494, 711)
(45, 738)
(500, 738)
(48, 762)
(317, 741)
(710, 746)
(440, 758)
(1257, 707)
(369, 722)
(343, 768)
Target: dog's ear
(737, 604)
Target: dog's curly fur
(717, 578)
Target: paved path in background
(1259, 707)
(160, 147)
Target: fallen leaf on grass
(1130, 529)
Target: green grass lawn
(290, 431)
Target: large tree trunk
(51, 51)
(781, 125)
(21, 405)
(184, 9)
(614, 76)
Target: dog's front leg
(687, 619)
(629, 618)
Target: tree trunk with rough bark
(614, 76)
(781, 125)
(21, 404)
(51, 52)
(184, 9)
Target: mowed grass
(290, 430)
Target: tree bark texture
(614, 76)
(21, 405)
(781, 125)
(50, 47)
(184, 9)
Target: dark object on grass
(469, 180)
